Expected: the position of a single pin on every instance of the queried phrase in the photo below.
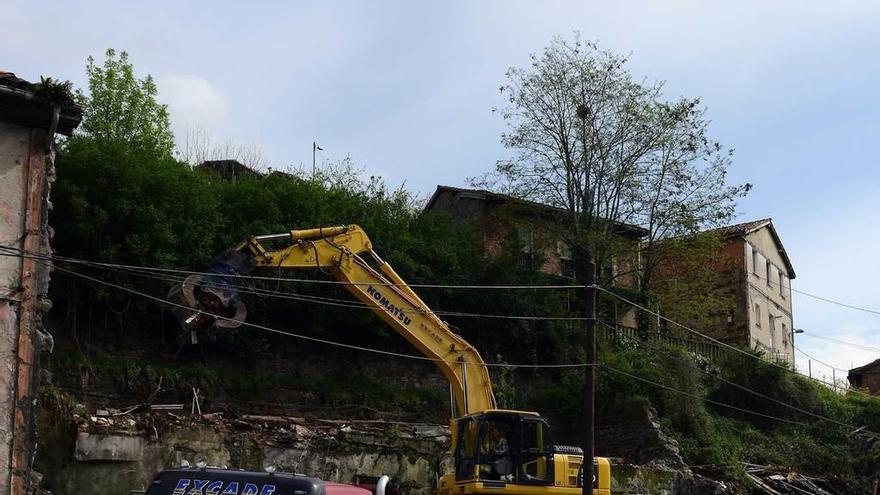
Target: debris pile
(779, 481)
(151, 421)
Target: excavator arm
(344, 252)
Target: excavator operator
(496, 450)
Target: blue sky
(407, 88)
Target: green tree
(609, 150)
(120, 106)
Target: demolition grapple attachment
(210, 302)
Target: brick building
(538, 229)
(867, 376)
(760, 281)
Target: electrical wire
(825, 299)
(819, 361)
(504, 365)
(146, 271)
(705, 399)
(298, 280)
(739, 386)
(851, 344)
(328, 301)
(313, 339)
(723, 344)
(838, 303)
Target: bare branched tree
(345, 175)
(198, 146)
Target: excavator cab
(514, 452)
(504, 447)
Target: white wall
(773, 297)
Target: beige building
(764, 312)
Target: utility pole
(590, 378)
(810, 367)
(315, 149)
(583, 113)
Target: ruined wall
(14, 149)
(25, 173)
(112, 461)
(105, 461)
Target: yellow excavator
(494, 450)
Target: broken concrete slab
(112, 448)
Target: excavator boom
(344, 252)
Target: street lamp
(315, 149)
(793, 358)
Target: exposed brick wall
(733, 280)
(867, 377)
(497, 220)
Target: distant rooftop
(506, 198)
(229, 169)
(745, 228)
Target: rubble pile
(779, 481)
(151, 421)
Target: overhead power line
(327, 301)
(838, 303)
(345, 303)
(851, 344)
(296, 280)
(425, 358)
(309, 338)
(692, 365)
(723, 344)
(825, 299)
(819, 361)
(705, 399)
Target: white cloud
(193, 102)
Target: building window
(769, 272)
(524, 234)
(754, 261)
(566, 265)
(784, 336)
(757, 315)
(781, 283)
(772, 320)
(608, 269)
(526, 239)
